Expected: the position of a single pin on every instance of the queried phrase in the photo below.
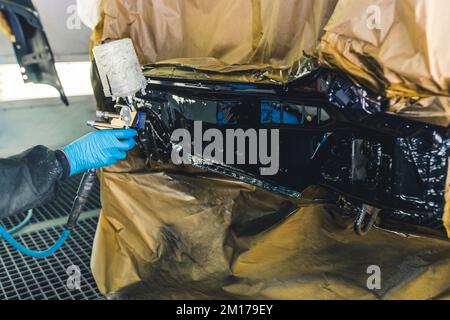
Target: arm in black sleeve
(31, 179)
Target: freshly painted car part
(332, 134)
(31, 45)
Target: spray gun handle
(85, 189)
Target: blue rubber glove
(99, 149)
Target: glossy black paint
(31, 45)
(332, 133)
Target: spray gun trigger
(125, 119)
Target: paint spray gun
(122, 77)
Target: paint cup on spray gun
(119, 69)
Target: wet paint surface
(339, 138)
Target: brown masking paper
(269, 38)
(5, 28)
(401, 54)
(178, 233)
(397, 48)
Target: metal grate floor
(26, 278)
(58, 208)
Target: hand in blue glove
(99, 149)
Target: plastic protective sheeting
(175, 234)
(396, 48)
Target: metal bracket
(365, 215)
(37, 57)
(365, 219)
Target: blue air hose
(23, 224)
(86, 186)
(33, 253)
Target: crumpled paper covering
(5, 28)
(259, 34)
(404, 58)
(174, 233)
(215, 69)
(180, 233)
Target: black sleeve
(31, 179)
